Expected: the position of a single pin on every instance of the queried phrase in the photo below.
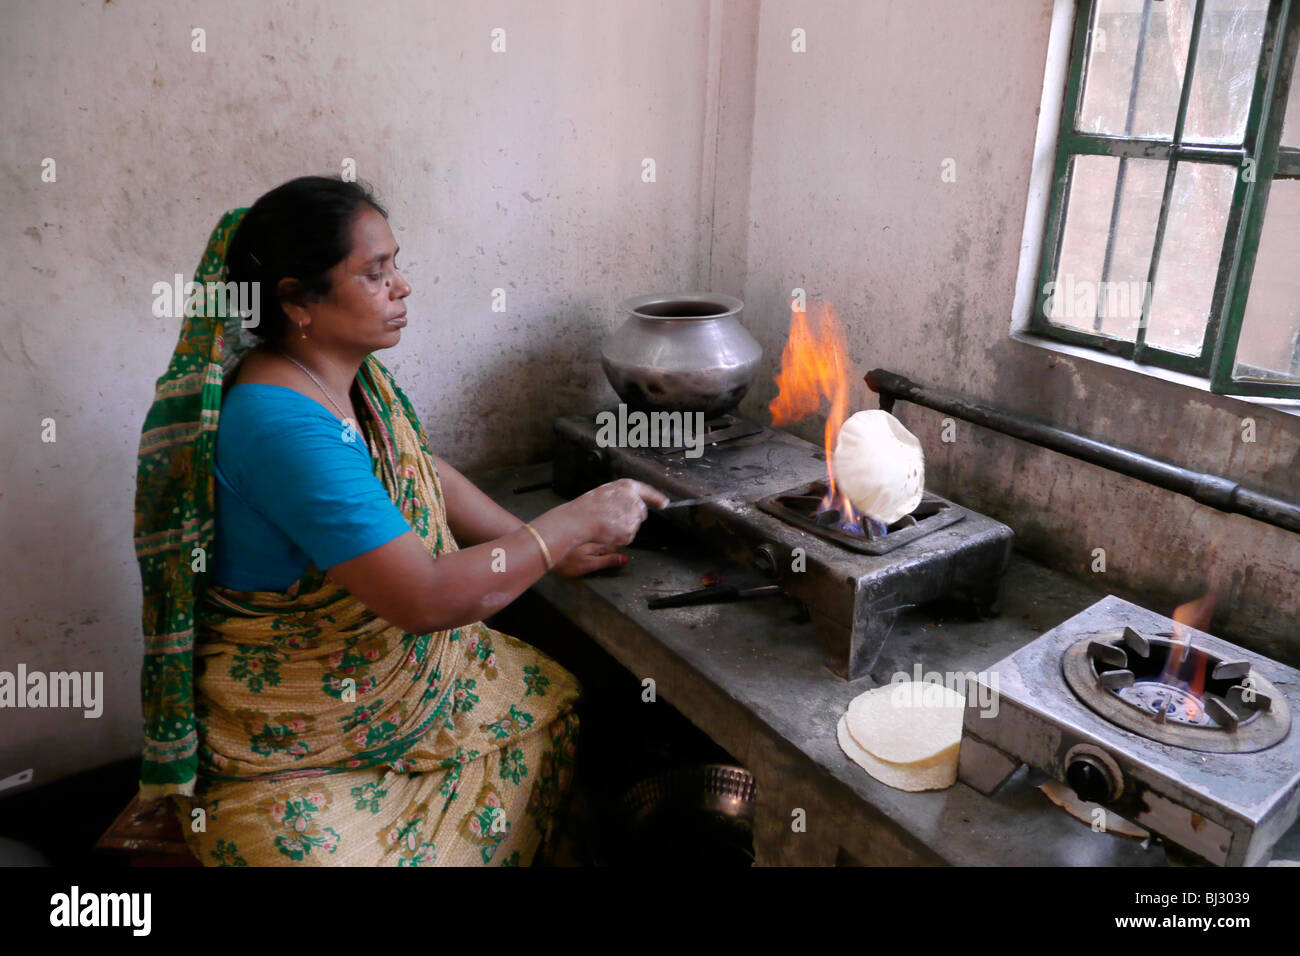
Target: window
(1173, 226)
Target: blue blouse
(292, 487)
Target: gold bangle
(546, 552)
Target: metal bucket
(700, 813)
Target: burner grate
(719, 429)
(798, 507)
(1174, 692)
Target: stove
(762, 488)
(1166, 726)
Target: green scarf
(175, 523)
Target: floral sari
(298, 726)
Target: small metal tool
(686, 503)
(719, 594)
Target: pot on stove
(681, 352)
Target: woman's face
(365, 308)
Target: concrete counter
(750, 676)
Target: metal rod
(1162, 220)
(1139, 62)
(687, 503)
(720, 594)
(1212, 490)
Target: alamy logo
(34, 689)
(1086, 300)
(211, 299)
(637, 429)
(102, 909)
(919, 689)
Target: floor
(64, 819)
(624, 740)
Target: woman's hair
(298, 231)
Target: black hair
(298, 230)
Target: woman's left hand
(589, 557)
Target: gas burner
(1186, 735)
(1175, 692)
(1167, 702)
(759, 490)
(800, 507)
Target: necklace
(324, 391)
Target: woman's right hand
(612, 513)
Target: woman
(318, 686)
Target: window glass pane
(1103, 265)
(1291, 125)
(1269, 348)
(1227, 56)
(1121, 49)
(1189, 259)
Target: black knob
(765, 560)
(1089, 780)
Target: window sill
(1284, 405)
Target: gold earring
(303, 330)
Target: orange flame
(815, 366)
(1194, 614)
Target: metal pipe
(1213, 490)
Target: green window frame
(1259, 152)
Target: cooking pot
(696, 815)
(681, 352)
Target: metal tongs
(718, 594)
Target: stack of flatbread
(906, 735)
